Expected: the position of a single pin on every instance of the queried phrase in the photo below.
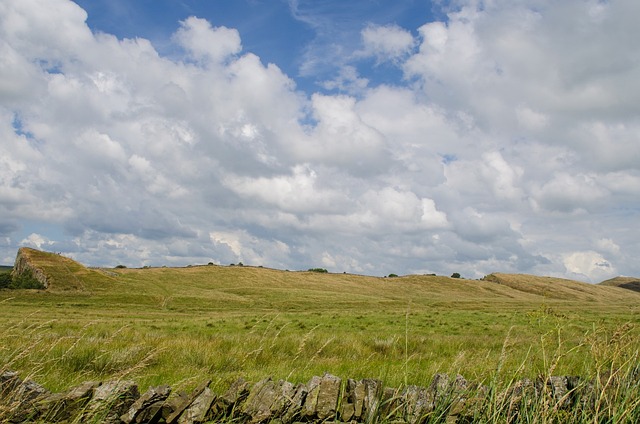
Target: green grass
(177, 325)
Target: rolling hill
(629, 283)
(254, 286)
(557, 288)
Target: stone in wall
(328, 393)
(19, 398)
(372, 395)
(141, 410)
(227, 403)
(262, 395)
(416, 404)
(295, 406)
(260, 403)
(517, 396)
(9, 380)
(64, 406)
(268, 400)
(110, 400)
(311, 400)
(352, 404)
(558, 389)
(186, 402)
(449, 393)
(198, 410)
(284, 400)
(170, 405)
(391, 405)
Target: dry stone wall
(322, 399)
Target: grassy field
(177, 325)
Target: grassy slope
(616, 281)
(169, 325)
(262, 287)
(629, 283)
(559, 288)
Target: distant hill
(629, 283)
(556, 288)
(248, 285)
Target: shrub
(120, 266)
(320, 270)
(5, 280)
(25, 281)
(455, 275)
(393, 275)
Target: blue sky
(367, 136)
(268, 28)
(286, 33)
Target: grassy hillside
(558, 288)
(629, 283)
(174, 325)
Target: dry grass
(558, 288)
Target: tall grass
(400, 348)
(606, 390)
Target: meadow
(177, 325)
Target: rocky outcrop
(25, 270)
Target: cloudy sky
(366, 136)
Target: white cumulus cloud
(388, 42)
(205, 42)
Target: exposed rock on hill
(26, 272)
(45, 270)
